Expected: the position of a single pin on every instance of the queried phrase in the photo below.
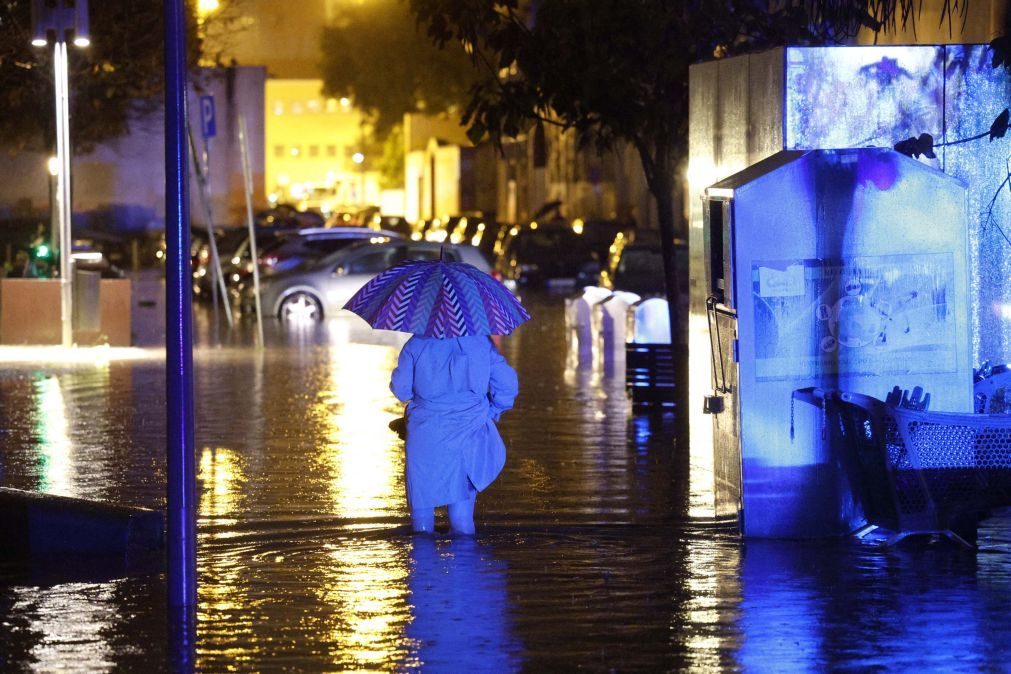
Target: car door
(355, 270)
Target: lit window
(296, 109)
(331, 150)
(331, 105)
(314, 150)
(296, 150)
(312, 105)
(278, 150)
(278, 107)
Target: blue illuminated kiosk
(842, 269)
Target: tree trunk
(659, 172)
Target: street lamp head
(60, 21)
(358, 157)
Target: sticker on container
(787, 282)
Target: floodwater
(589, 553)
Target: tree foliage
(618, 69)
(113, 81)
(375, 54)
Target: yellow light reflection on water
(221, 474)
(368, 586)
(367, 581)
(55, 447)
(713, 580)
(363, 456)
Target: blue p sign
(208, 126)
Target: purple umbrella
(438, 298)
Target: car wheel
(300, 306)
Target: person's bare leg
(423, 520)
(461, 516)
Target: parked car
(472, 228)
(239, 267)
(321, 289)
(559, 252)
(229, 241)
(373, 219)
(286, 216)
(308, 245)
(635, 264)
(392, 223)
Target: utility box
(839, 269)
(87, 301)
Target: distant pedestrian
(455, 389)
(22, 267)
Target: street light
(57, 22)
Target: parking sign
(208, 126)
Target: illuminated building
(310, 141)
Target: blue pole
(182, 557)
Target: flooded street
(586, 556)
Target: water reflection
(223, 587)
(221, 472)
(584, 558)
(705, 630)
(459, 605)
(362, 456)
(364, 588)
(54, 438)
(820, 606)
(64, 617)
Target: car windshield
(312, 246)
(340, 254)
(641, 262)
(231, 240)
(540, 242)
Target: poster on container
(862, 316)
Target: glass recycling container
(841, 269)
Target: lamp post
(359, 159)
(53, 166)
(55, 23)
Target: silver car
(322, 289)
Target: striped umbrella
(438, 298)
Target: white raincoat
(457, 390)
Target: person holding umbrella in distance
(453, 380)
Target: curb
(35, 524)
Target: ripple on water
(585, 557)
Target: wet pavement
(586, 556)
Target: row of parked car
(310, 272)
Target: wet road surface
(585, 558)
